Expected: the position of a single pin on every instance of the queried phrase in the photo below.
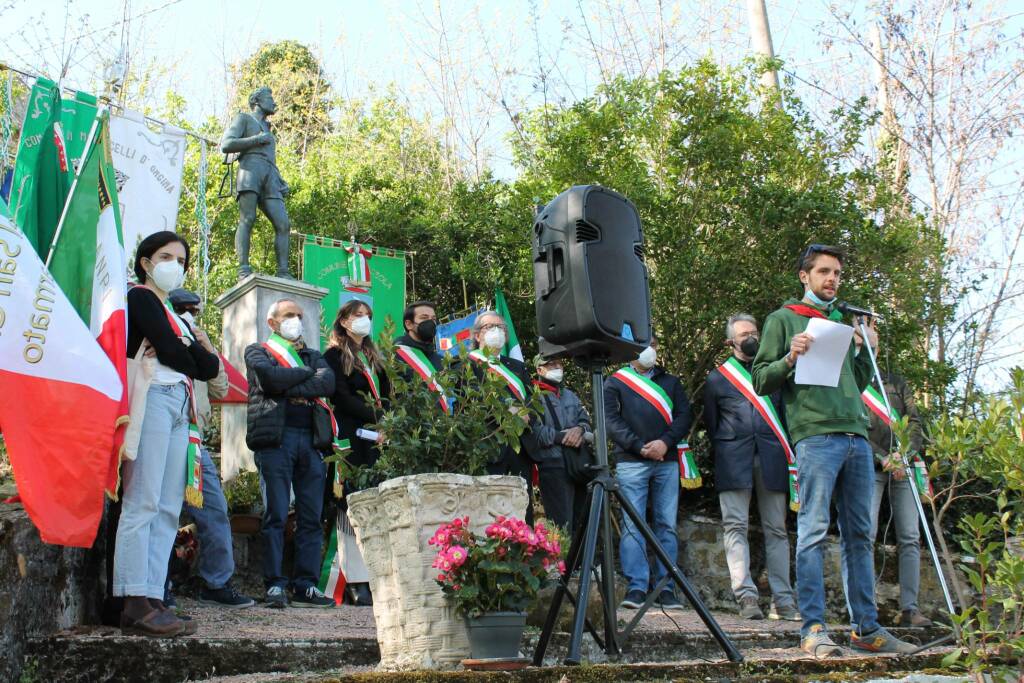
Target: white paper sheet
(822, 362)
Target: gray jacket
(571, 413)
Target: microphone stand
(909, 473)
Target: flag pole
(78, 174)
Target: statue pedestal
(245, 308)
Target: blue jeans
(636, 480)
(216, 558)
(294, 465)
(839, 464)
(154, 487)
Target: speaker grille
(638, 249)
(585, 232)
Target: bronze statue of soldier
(259, 183)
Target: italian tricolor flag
(512, 349)
(61, 397)
(87, 260)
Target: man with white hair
(288, 382)
(750, 446)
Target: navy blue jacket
(737, 432)
(632, 421)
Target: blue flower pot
(496, 635)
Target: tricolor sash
(371, 377)
(332, 578)
(281, 350)
(194, 455)
(421, 365)
(495, 365)
(647, 389)
(877, 404)
(738, 376)
(689, 475)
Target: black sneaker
(225, 597)
(669, 601)
(312, 598)
(633, 599)
(276, 597)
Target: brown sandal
(155, 624)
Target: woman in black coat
(361, 390)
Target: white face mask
(187, 317)
(361, 326)
(647, 358)
(494, 338)
(291, 328)
(167, 275)
(555, 375)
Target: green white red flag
(87, 260)
(61, 398)
(512, 349)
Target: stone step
(270, 642)
(775, 666)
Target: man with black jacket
(648, 419)
(420, 323)
(287, 384)
(749, 442)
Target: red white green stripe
(282, 350)
(738, 376)
(647, 390)
(495, 365)
(877, 404)
(332, 579)
(689, 475)
(421, 365)
(358, 268)
(194, 456)
(371, 376)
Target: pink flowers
(499, 571)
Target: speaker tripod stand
(583, 551)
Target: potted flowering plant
(493, 579)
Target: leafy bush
(422, 438)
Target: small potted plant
(244, 502)
(494, 579)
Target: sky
(478, 61)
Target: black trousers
(564, 499)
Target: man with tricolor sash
(891, 476)
(288, 382)
(752, 455)
(416, 349)
(648, 418)
(489, 337)
(829, 429)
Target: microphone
(846, 308)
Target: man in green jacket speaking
(829, 427)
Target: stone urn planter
(417, 627)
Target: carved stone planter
(417, 627)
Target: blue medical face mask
(817, 300)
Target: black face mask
(749, 346)
(426, 330)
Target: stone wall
(702, 559)
(42, 587)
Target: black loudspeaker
(589, 277)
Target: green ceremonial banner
(76, 118)
(43, 173)
(326, 263)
